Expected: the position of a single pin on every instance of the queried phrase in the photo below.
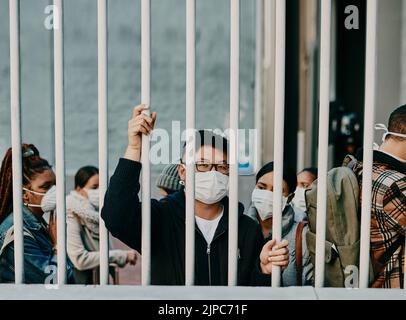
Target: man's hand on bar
(140, 123)
(273, 254)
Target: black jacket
(122, 216)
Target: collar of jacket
(180, 199)
(31, 221)
(384, 158)
(288, 219)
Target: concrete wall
(167, 74)
(403, 55)
(391, 18)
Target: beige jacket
(83, 238)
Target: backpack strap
(299, 252)
(9, 238)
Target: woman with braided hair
(39, 197)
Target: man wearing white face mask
(388, 212)
(82, 206)
(299, 270)
(122, 215)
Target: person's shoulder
(247, 223)
(6, 224)
(388, 178)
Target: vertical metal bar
(301, 141)
(146, 185)
(14, 6)
(190, 128)
(280, 49)
(52, 95)
(103, 130)
(369, 119)
(60, 143)
(233, 158)
(404, 269)
(258, 81)
(325, 40)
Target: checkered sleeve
(395, 205)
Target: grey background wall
(167, 74)
(391, 71)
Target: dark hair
(32, 165)
(289, 175)
(84, 174)
(312, 171)
(397, 122)
(209, 138)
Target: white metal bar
(146, 184)
(258, 81)
(280, 49)
(103, 130)
(404, 270)
(190, 126)
(301, 141)
(233, 158)
(369, 119)
(14, 6)
(325, 40)
(60, 144)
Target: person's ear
(82, 192)
(182, 172)
(26, 198)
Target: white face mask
(263, 202)
(210, 187)
(299, 201)
(48, 202)
(381, 126)
(93, 196)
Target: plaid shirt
(388, 214)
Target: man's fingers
(269, 245)
(279, 258)
(145, 124)
(280, 263)
(153, 116)
(144, 129)
(141, 119)
(146, 118)
(278, 252)
(282, 244)
(135, 124)
(139, 109)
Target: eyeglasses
(223, 168)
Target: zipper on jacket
(209, 262)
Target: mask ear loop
(36, 193)
(382, 127)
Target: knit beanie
(169, 178)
